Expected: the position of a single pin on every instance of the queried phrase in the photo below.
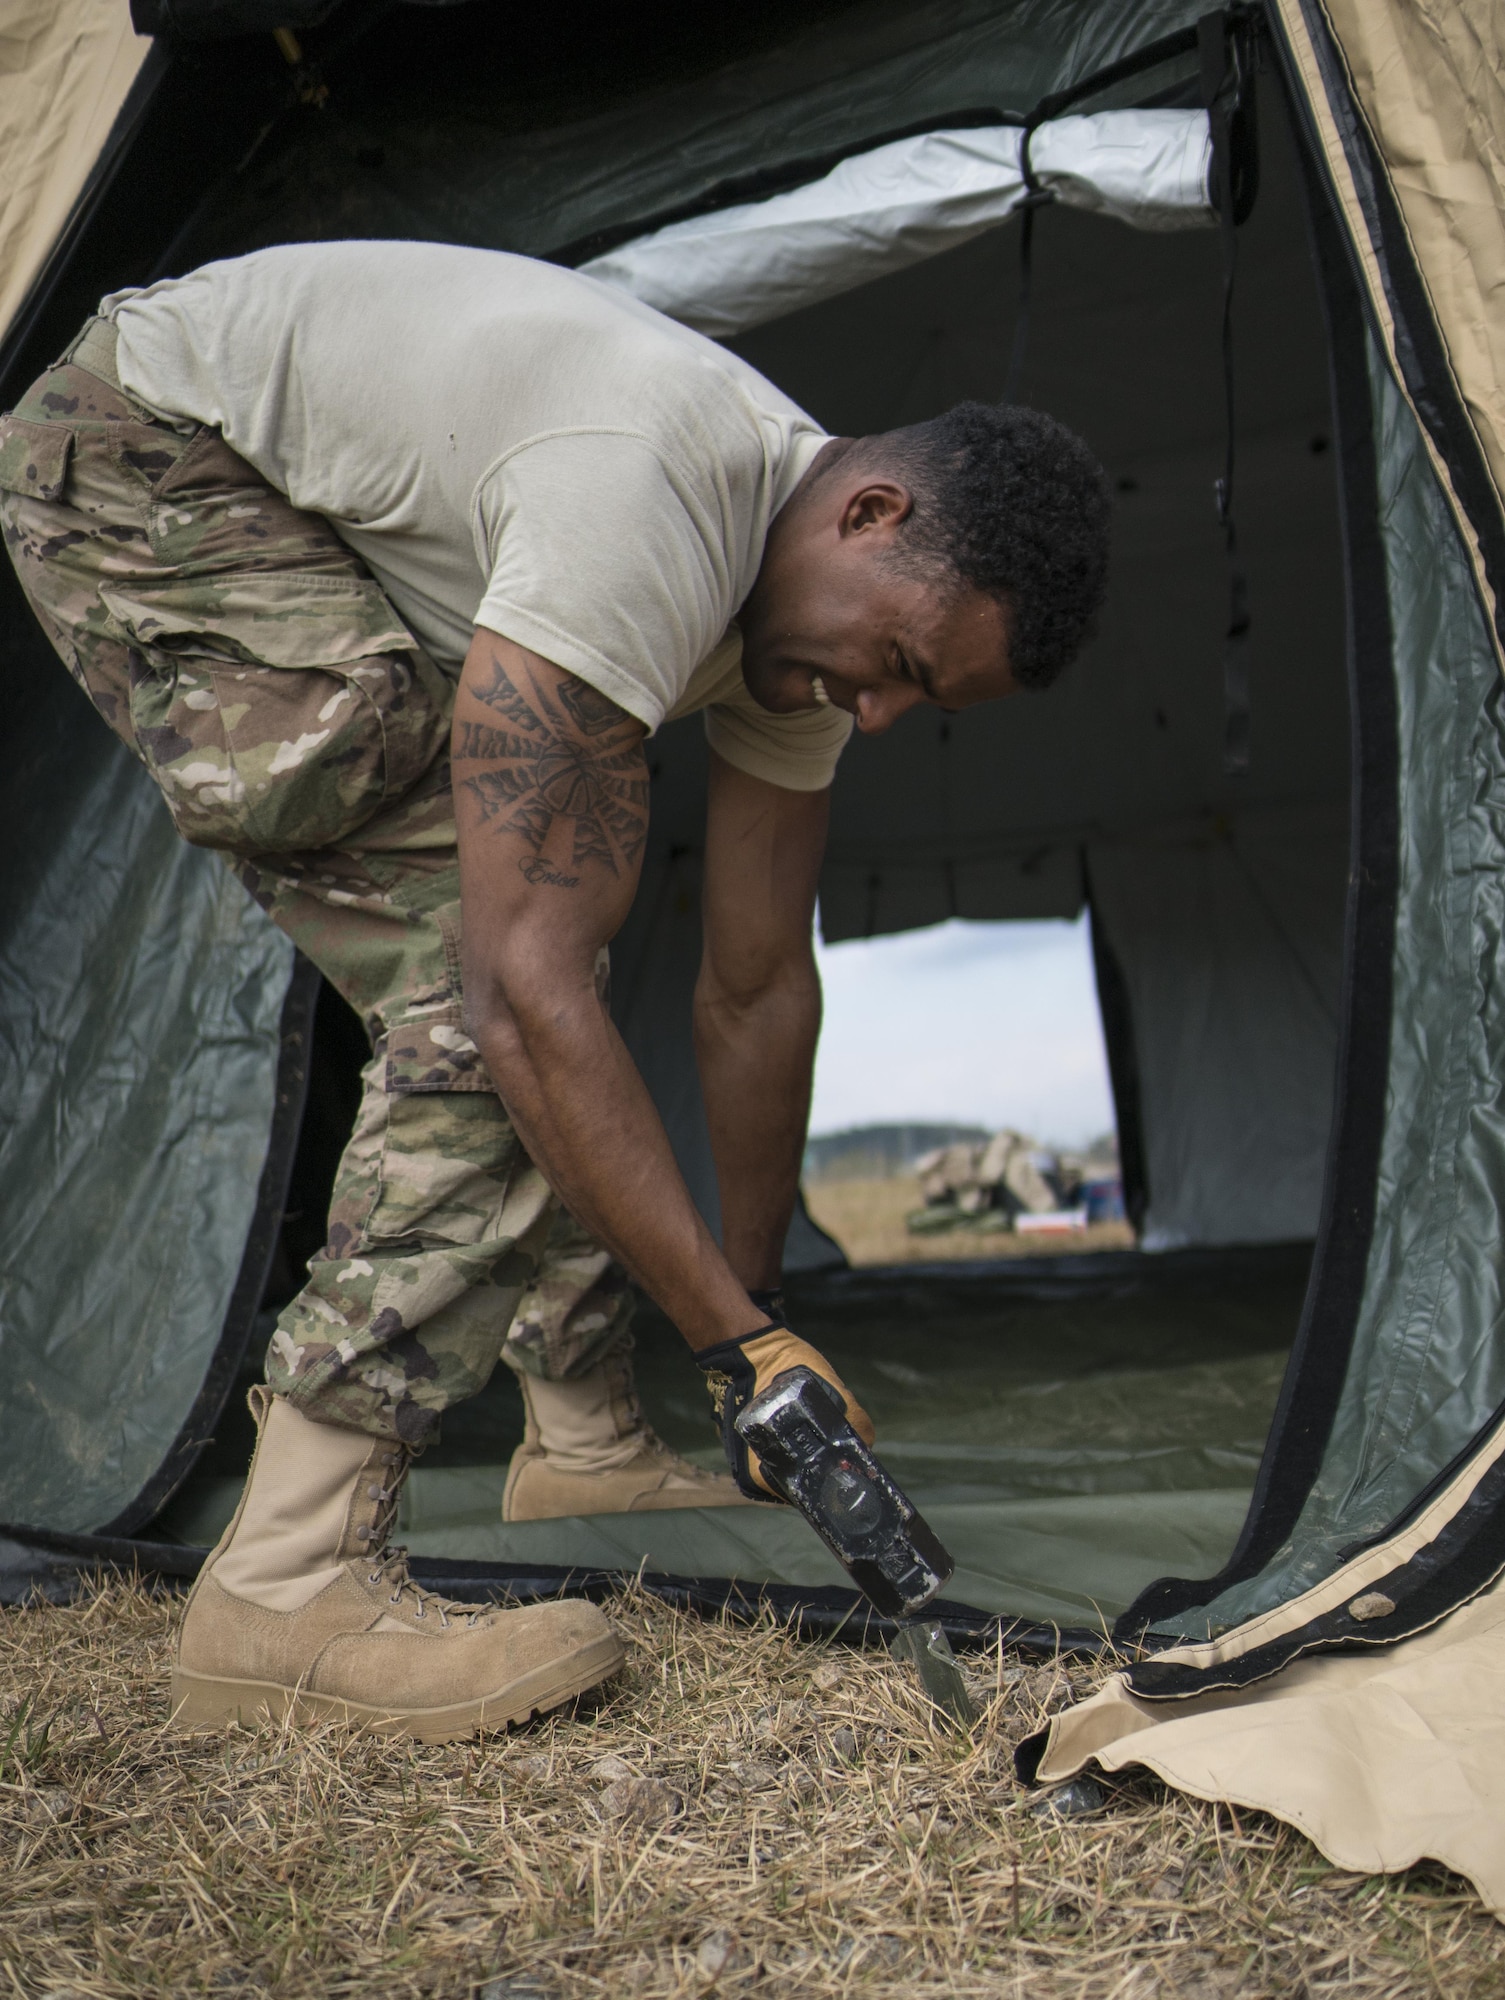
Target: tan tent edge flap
(1426, 78)
(1381, 1759)
(66, 67)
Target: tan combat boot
(303, 1608)
(588, 1449)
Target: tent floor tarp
(1071, 1427)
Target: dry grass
(894, 1859)
(867, 1220)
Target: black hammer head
(798, 1427)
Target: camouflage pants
(291, 721)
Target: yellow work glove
(737, 1370)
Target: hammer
(809, 1451)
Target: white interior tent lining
(899, 204)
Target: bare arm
(757, 1005)
(551, 805)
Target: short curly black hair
(1011, 502)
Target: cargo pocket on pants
(428, 1051)
(277, 711)
(452, 1171)
(34, 458)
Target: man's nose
(879, 708)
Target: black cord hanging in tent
(1151, 56)
(1227, 88)
(1035, 197)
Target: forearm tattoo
(565, 770)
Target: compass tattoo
(563, 768)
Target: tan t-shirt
(506, 444)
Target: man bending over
(386, 559)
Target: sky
(985, 1024)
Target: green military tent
(1262, 247)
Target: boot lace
(388, 1561)
(672, 1460)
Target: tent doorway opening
(961, 1105)
(1073, 1427)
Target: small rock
(606, 1770)
(1373, 1604)
(827, 1677)
(1072, 1801)
(719, 1953)
(755, 1773)
(844, 1744)
(640, 1801)
(521, 1986)
(529, 1767)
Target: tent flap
(1382, 1758)
(1426, 1372)
(1407, 111)
(140, 994)
(66, 68)
(1430, 78)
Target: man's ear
(877, 504)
